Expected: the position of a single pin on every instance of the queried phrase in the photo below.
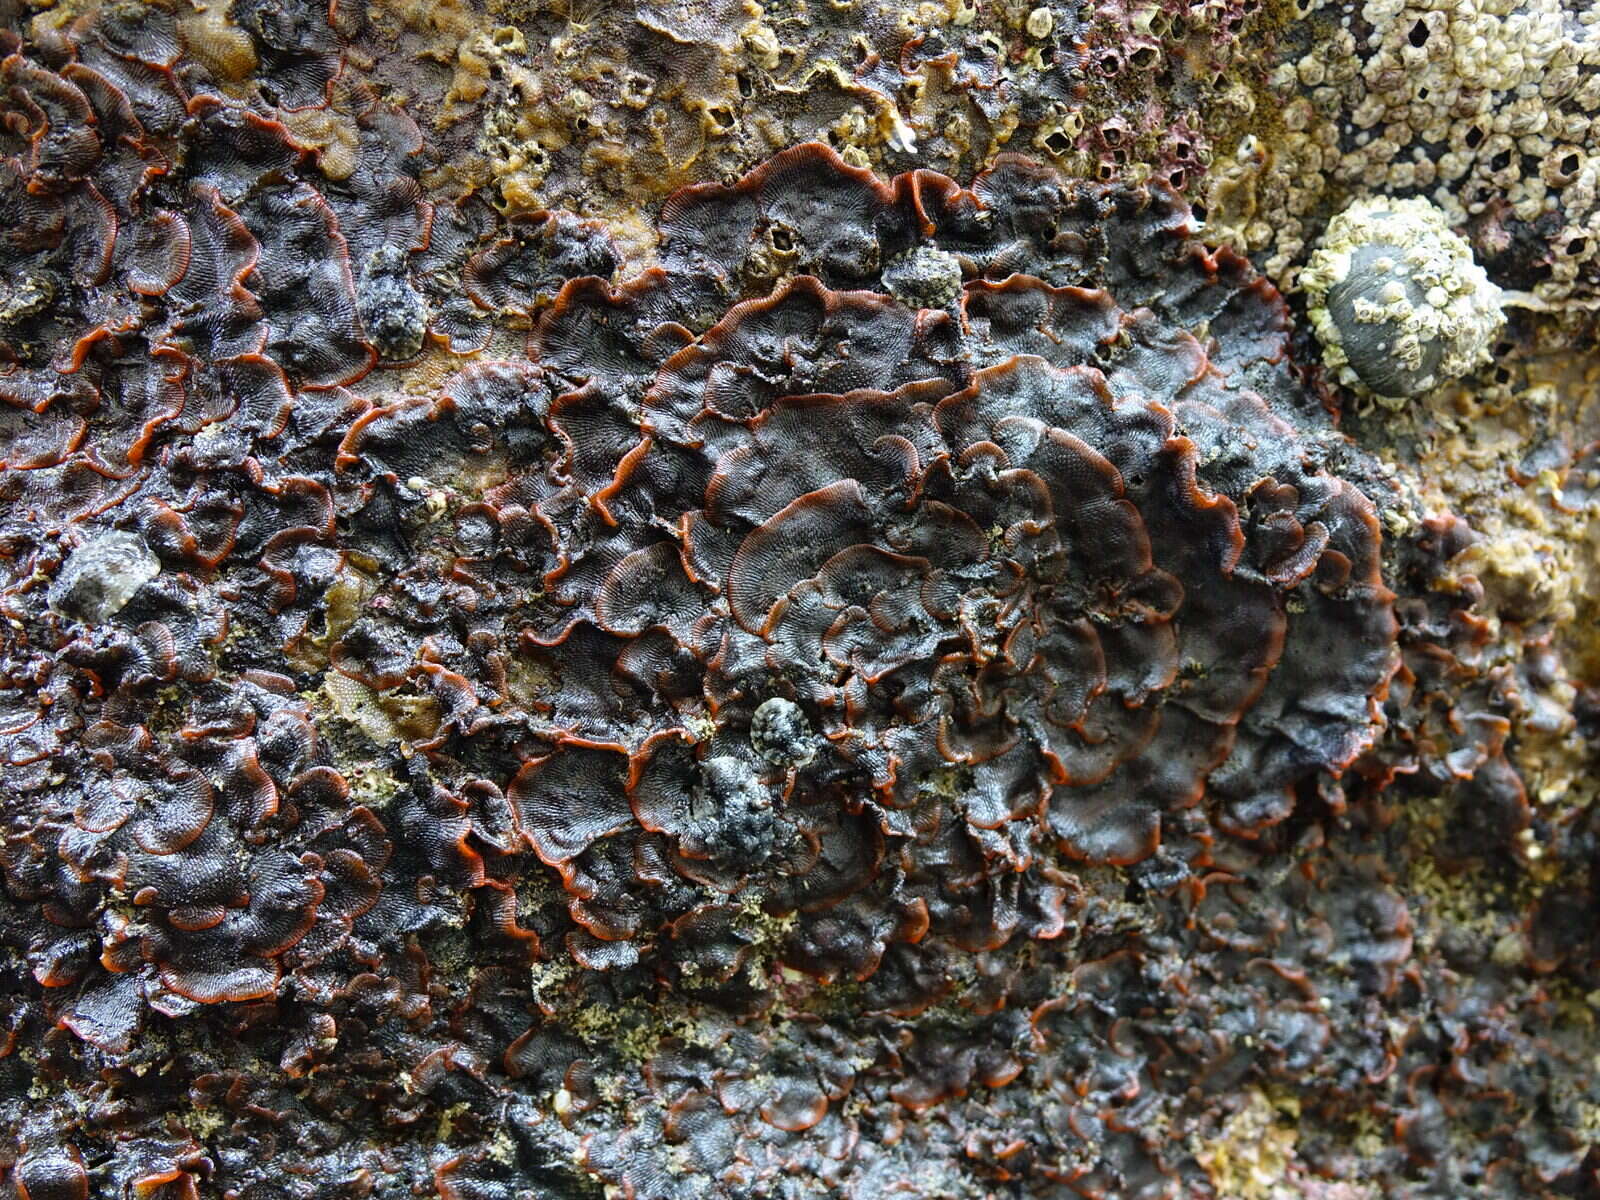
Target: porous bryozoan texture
(747, 736)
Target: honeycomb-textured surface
(907, 693)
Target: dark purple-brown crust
(406, 835)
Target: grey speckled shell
(1369, 345)
(101, 576)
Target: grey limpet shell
(393, 312)
(1397, 300)
(732, 814)
(101, 576)
(780, 733)
(1372, 346)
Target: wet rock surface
(903, 688)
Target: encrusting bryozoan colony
(843, 684)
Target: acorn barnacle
(1397, 300)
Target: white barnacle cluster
(1485, 107)
(1397, 300)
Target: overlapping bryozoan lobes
(892, 698)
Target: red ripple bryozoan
(868, 698)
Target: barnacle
(901, 689)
